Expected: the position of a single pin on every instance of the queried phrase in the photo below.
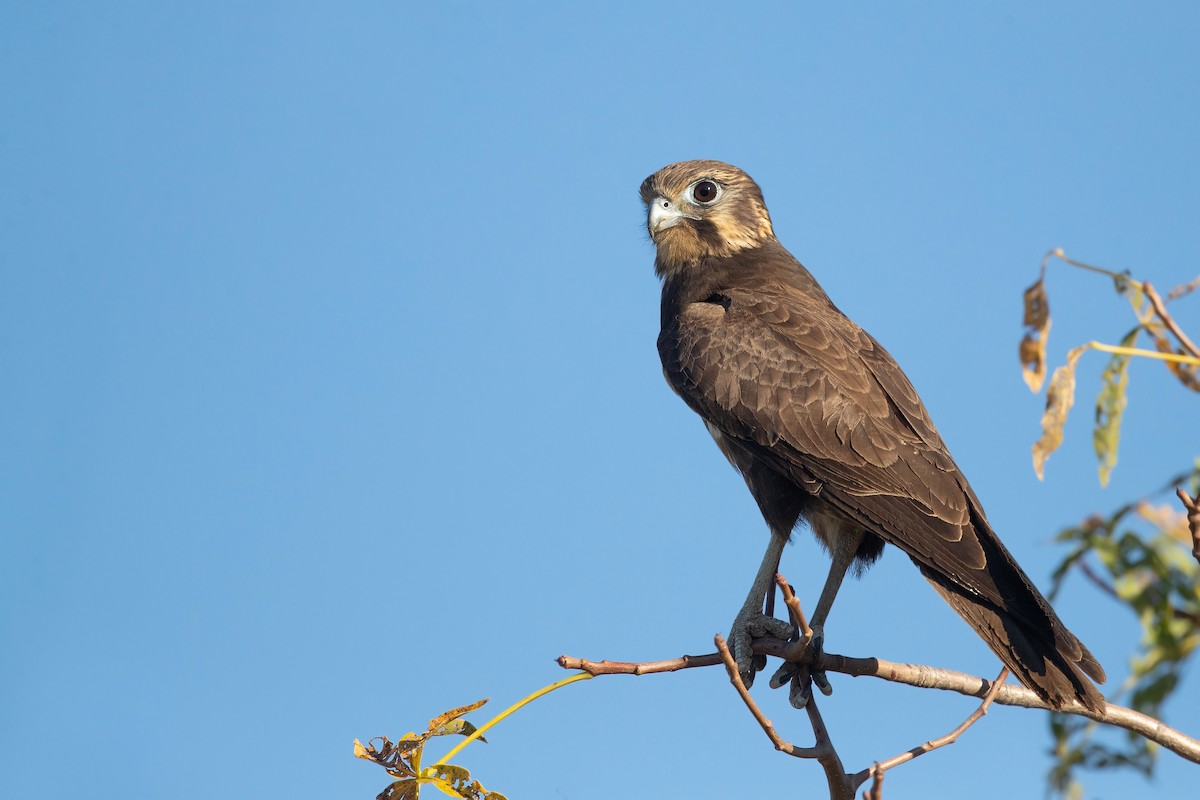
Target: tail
(1028, 637)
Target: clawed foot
(749, 624)
(801, 677)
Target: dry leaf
(1060, 396)
(1168, 518)
(1037, 330)
(402, 758)
(1188, 374)
(400, 790)
(437, 724)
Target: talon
(748, 624)
(785, 673)
(789, 669)
(801, 689)
(739, 644)
(818, 649)
(818, 638)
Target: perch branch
(923, 677)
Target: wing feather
(824, 402)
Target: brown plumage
(824, 425)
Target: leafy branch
(402, 759)
(1172, 346)
(1144, 556)
(1134, 555)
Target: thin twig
(1160, 309)
(1100, 583)
(822, 750)
(1096, 580)
(794, 610)
(780, 743)
(638, 668)
(876, 790)
(840, 783)
(1192, 504)
(1118, 276)
(1184, 289)
(881, 767)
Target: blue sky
(332, 397)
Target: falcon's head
(698, 209)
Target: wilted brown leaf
(401, 790)
(402, 759)
(1060, 396)
(399, 759)
(1188, 374)
(1037, 330)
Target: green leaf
(1110, 408)
(458, 780)
(459, 726)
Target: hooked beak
(664, 214)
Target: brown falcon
(825, 427)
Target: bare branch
(1009, 695)
(876, 771)
(840, 784)
(1097, 581)
(1193, 517)
(924, 677)
(1100, 583)
(635, 668)
(780, 743)
(876, 791)
(1059, 254)
(1160, 309)
(794, 610)
(840, 787)
(1184, 289)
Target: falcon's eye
(705, 192)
